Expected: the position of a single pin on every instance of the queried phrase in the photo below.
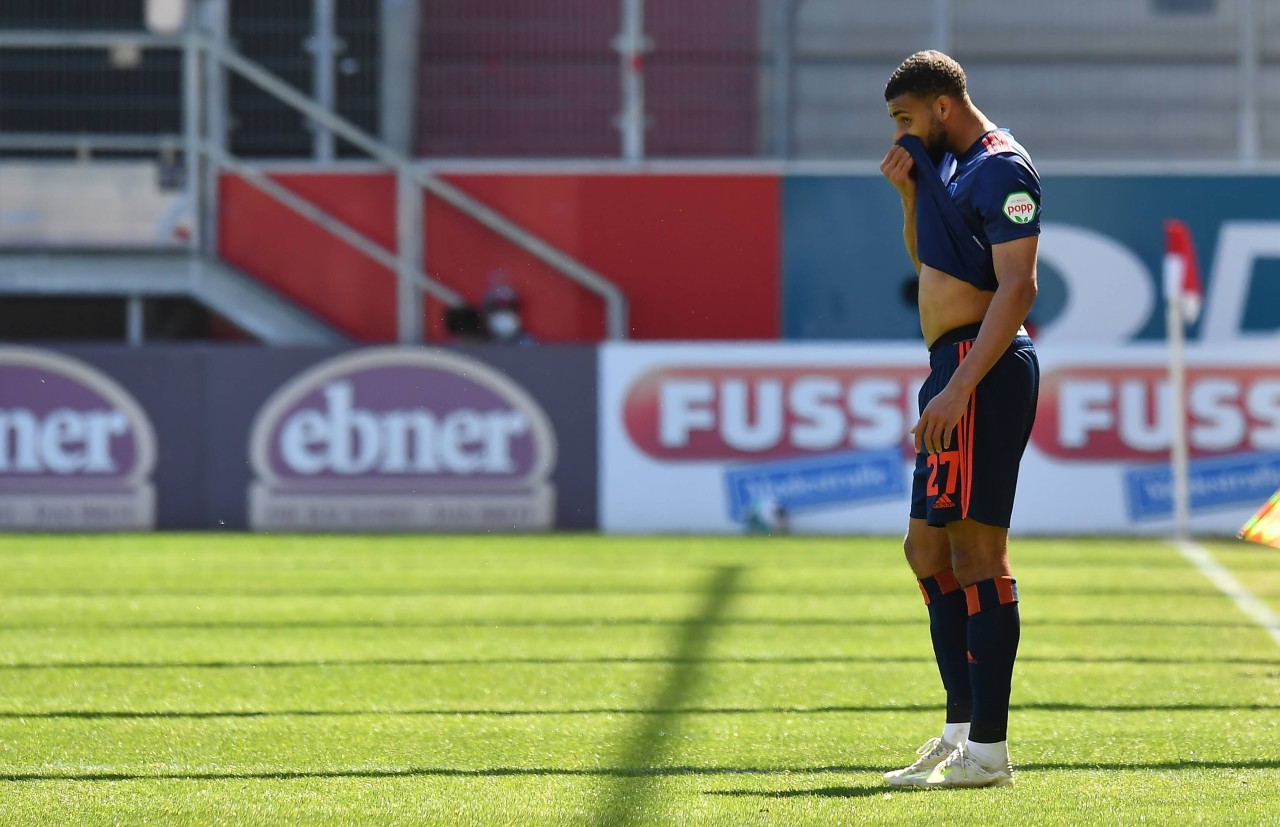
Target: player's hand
(898, 166)
(935, 428)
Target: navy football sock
(994, 627)
(948, 621)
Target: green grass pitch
(585, 680)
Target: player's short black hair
(927, 75)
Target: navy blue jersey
(993, 190)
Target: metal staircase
(208, 59)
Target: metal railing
(411, 180)
(207, 56)
(85, 145)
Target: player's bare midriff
(947, 302)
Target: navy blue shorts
(977, 476)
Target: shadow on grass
(497, 623)
(620, 660)
(821, 792)
(657, 716)
(630, 793)
(838, 590)
(625, 776)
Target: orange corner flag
(1264, 527)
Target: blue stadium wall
(845, 274)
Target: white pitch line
(1226, 582)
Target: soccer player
(971, 203)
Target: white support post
(135, 320)
(942, 25)
(323, 45)
(215, 113)
(631, 45)
(410, 304)
(1179, 454)
(398, 89)
(192, 137)
(784, 76)
(1250, 59)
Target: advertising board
(305, 439)
(402, 439)
(698, 439)
(76, 450)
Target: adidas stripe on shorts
(977, 476)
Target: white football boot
(932, 753)
(962, 769)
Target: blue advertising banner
(847, 276)
(1246, 479)
(819, 482)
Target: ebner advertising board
(407, 439)
(298, 439)
(402, 439)
(76, 450)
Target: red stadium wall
(312, 267)
(696, 255)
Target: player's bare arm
(1015, 266)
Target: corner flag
(1181, 272)
(1182, 294)
(1264, 527)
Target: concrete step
(253, 307)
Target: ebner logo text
(63, 442)
(348, 440)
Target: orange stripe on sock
(1004, 588)
(971, 599)
(947, 582)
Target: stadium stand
(1143, 79)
